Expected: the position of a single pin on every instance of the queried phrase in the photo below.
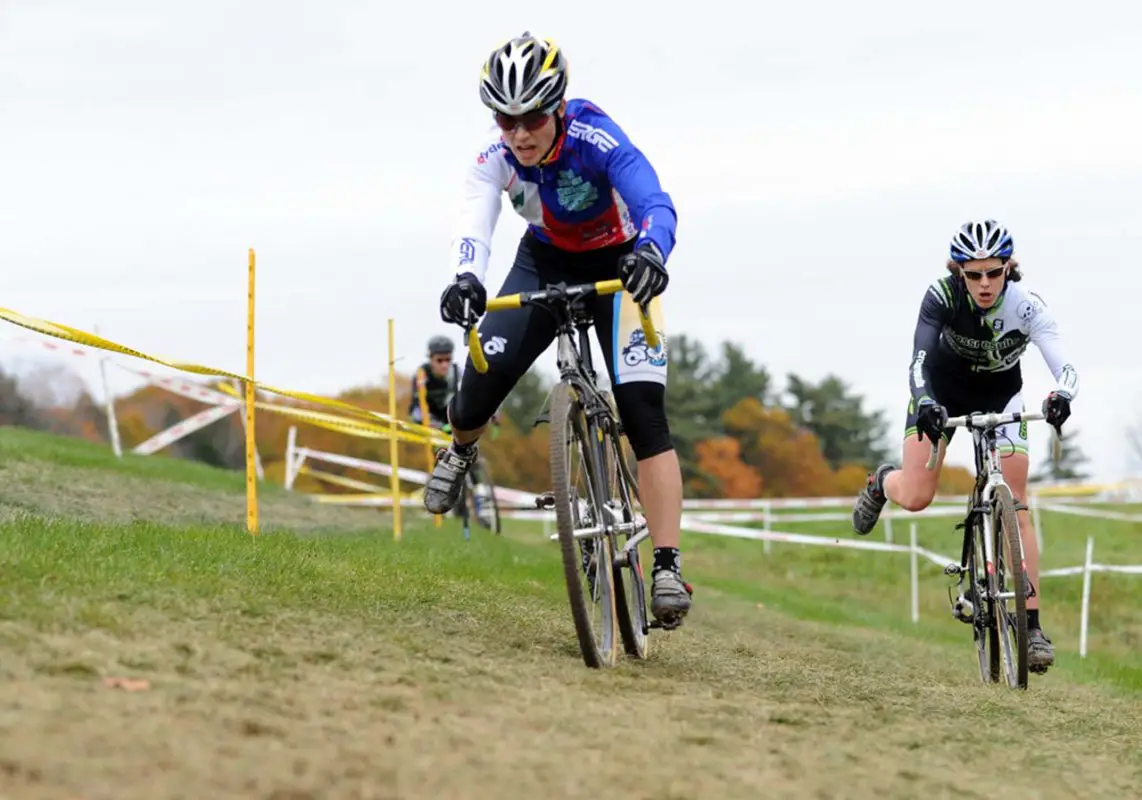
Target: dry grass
(351, 667)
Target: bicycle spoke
(587, 562)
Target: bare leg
(1014, 468)
(660, 489)
(913, 486)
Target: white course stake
(914, 557)
(109, 405)
(1037, 521)
(767, 525)
(1086, 596)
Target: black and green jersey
(959, 344)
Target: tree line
(738, 431)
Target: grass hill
(324, 660)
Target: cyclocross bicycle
(593, 491)
(993, 584)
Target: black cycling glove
(466, 286)
(930, 420)
(1056, 408)
(643, 274)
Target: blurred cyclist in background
(438, 379)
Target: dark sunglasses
(530, 122)
(975, 275)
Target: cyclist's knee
(478, 399)
(642, 409)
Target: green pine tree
(1065, 460)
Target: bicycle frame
(987, 588)
(576, 367)
(573, 358)
(989, 477)
(989, 471)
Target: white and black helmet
(524, 75)
(986, 239)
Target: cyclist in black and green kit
(974, 326)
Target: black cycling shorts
(966, 393)
(515, 338)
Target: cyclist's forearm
(1047, 339)
(926, 341)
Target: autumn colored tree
(721, 471)
(955, 480)
(850, 479)
(788, 459)
(847, 433)
(735, 433)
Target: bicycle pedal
(545, 501)
(670, 623)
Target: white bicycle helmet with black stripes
(986, 239)
(524, 75)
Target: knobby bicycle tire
(630, 591)
(983, 607)
(1010, 570)
(484, 472)
(568, 431)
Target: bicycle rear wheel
(588, 560)
(630, 589)
(1011, 583)
(481, 497)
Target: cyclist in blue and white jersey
(974, 326)
(595, 211)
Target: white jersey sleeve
(487, 180)
(1044, 333)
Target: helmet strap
(559, 131)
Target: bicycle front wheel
(621, 492)
(588, 557)
(1011, 583)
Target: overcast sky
(819, 155)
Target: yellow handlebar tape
(475, 349)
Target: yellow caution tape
(67, 333)
(346, 425)
(341, 480)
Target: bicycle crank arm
(596, 531)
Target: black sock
(1033, 619)
(463, 449)
(667, 558)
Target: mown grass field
(323, 660)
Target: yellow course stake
(429, 461)
(394, 459)
(251, 448)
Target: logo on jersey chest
(574, 193)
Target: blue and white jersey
(595, 189)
